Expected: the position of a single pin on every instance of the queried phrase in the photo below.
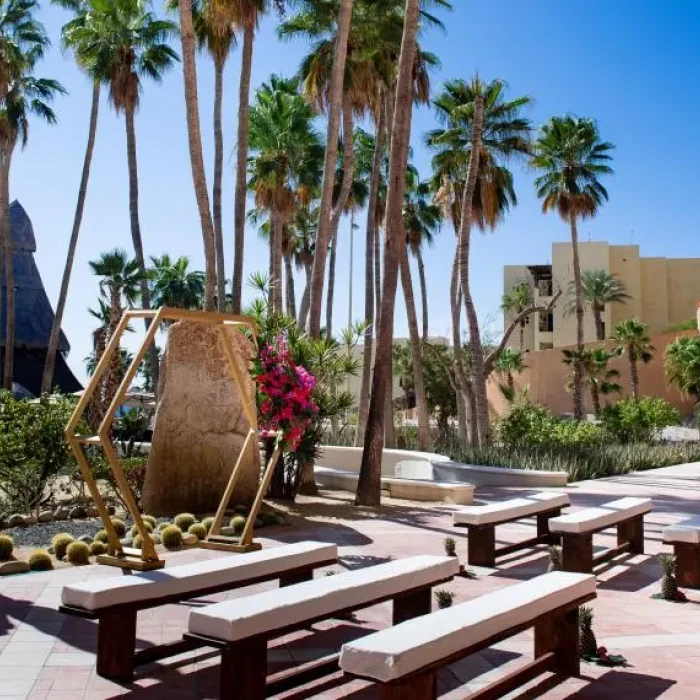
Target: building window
(546, 323)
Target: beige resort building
(663, 291)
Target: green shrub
(151, 521)
(198, 530)
(7, 544)
(172, 537)
(60, 543)
(119, 526)
(78, 553)
(135, 474)
(135, 531)
(40, 560)
(638, 420)
(184, 520)
(101, 536)
(238, 524)
(208, 522)
(97, 548)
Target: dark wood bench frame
(117, 657)
(482, 550)
(556, 650)
(687, 563)
(243, 671)
(577, 548)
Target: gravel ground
(40, 535)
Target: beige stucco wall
(683, 288)
(625, 263)
(547, 377)
(654, 295)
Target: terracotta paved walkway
(46, 655)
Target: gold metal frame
(147, 558)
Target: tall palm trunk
(352, 264)
(335, 102)
(458, 366)
(46, 382)
(634, 374)
(8, 256)
(425, 442)
(291, 293)
(136, 238)
(595, 398)
(242, 164)
(369, 484)
(370, 275)
(577, 379)
(478, 374)
(304, 306)
(194, 139)
(423, 293)
(219, 63)
(598, 320)
(276, 246)
(331, 284)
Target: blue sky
(633, 66)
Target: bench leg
(116, 646)
(543, 523)
(482, 546)
(559, 634)
(577, 553)
(419, 687)
(410, 605)
(296, 577)
(687, 564)
(243, 671)
(632, 531)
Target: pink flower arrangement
(284, 393)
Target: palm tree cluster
(365, 70)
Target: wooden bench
(115, 601)
(481, 522)
(577, 529)
(685, 538)
(241, 628)
(405, 659)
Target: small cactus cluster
(184, 521)
(444, 599)
(7, 544)
(587, 643)
(172, 537)
(119, 526)
(40, 560)
(198, 530)
(60, 544)
(97, 548)
(150, 520)
(238, 524)
(669, 583)
(101, 536)
(135, 531)
(555, 562)
(78, 553)
(208, 522)
(450, 547)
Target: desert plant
(138, 542)
(198, 530)
(40, 560)
(151, 521)
(119, 526)
(162, 526)
(78, 553)
(97, 548)
(450, 546)
(238, 524)
(135, 531)
(269, 519)
(60, 544)
(555, 563)
(669, 584)
(101, 536)
(208, 522)
(184, 521)
(444, 599)
(588, 646)
(172, 537)
(638, 420)
(7, 544)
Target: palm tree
(509, 362)
(632, 338)
(80, 9)
(214, 34)
(482, 130)
(601, 379)
(369, 484)
(120, 283)
(22, 95)
(174, 284)
(516, 301)
(285, 150)
(598, 288)
(572, 157)
(122, 42)
(683, 365)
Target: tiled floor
(46, 655)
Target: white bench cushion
(412, 645)
(592, 519)
(687, 531)
(180, 580)
(272, 610)
(508, 510)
